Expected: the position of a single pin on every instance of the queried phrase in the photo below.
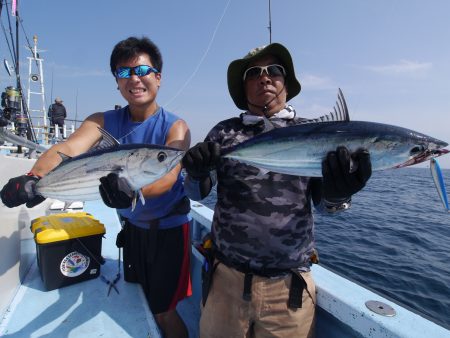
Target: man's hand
(345, 174)
(20, 190)
(201, 159)
(115, 191)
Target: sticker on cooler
(74, 264)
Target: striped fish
(77, 178)
(299, 150)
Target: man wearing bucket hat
(57, 114)
(259, 283)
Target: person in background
(260, 284)
(155, 236)
(57, 114)
(117, 107)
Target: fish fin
(262, 172)
(64, 157)
(133, 202)
(141, 196)
(137, 194)
(109, 140)
(339, 113)
(438, 179)
(66, 205)
(106, 142)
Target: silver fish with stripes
(299, 150)
(77, 178)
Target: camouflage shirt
(261, 219)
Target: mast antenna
(270, 25)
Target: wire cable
(202, 58)
(28, 43)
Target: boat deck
(83, 309)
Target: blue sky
(391, 58)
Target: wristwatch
(336, 206)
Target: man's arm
(50, 111)
(22, 189)
(84, 138)
(179, 137)
(200, 163)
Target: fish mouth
(425, 156)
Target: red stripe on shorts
(184, 288)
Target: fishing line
(139, 126)
(7, 43)
(202, 58)
(11, 36)
(28, 42)
(192, 75)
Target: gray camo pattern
(261, 219)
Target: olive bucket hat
(237, 68)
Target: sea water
(394, 240)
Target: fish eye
(161, 156)
(417, 150)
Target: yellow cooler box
(68, 248)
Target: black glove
(201, 159)
(20, 190)
(338, 182)
(115, 191)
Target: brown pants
(226, 314)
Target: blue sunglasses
(142, 70)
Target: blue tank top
(153, 130)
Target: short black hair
(132, 47)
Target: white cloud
(403, 67)
(315, 82)
(87, 73)
(71, 72)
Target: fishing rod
(270, 25)
(12, 47)
(76, 109)
(74, 120)
(29, 128)
(51, 88)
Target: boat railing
(50, 134)
(344, 307)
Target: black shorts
(160, 264)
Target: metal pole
(17, 47)
(51, 88)
(76, 108)
(270, 25)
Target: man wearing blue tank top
(155, 236)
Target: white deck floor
(83, 309)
